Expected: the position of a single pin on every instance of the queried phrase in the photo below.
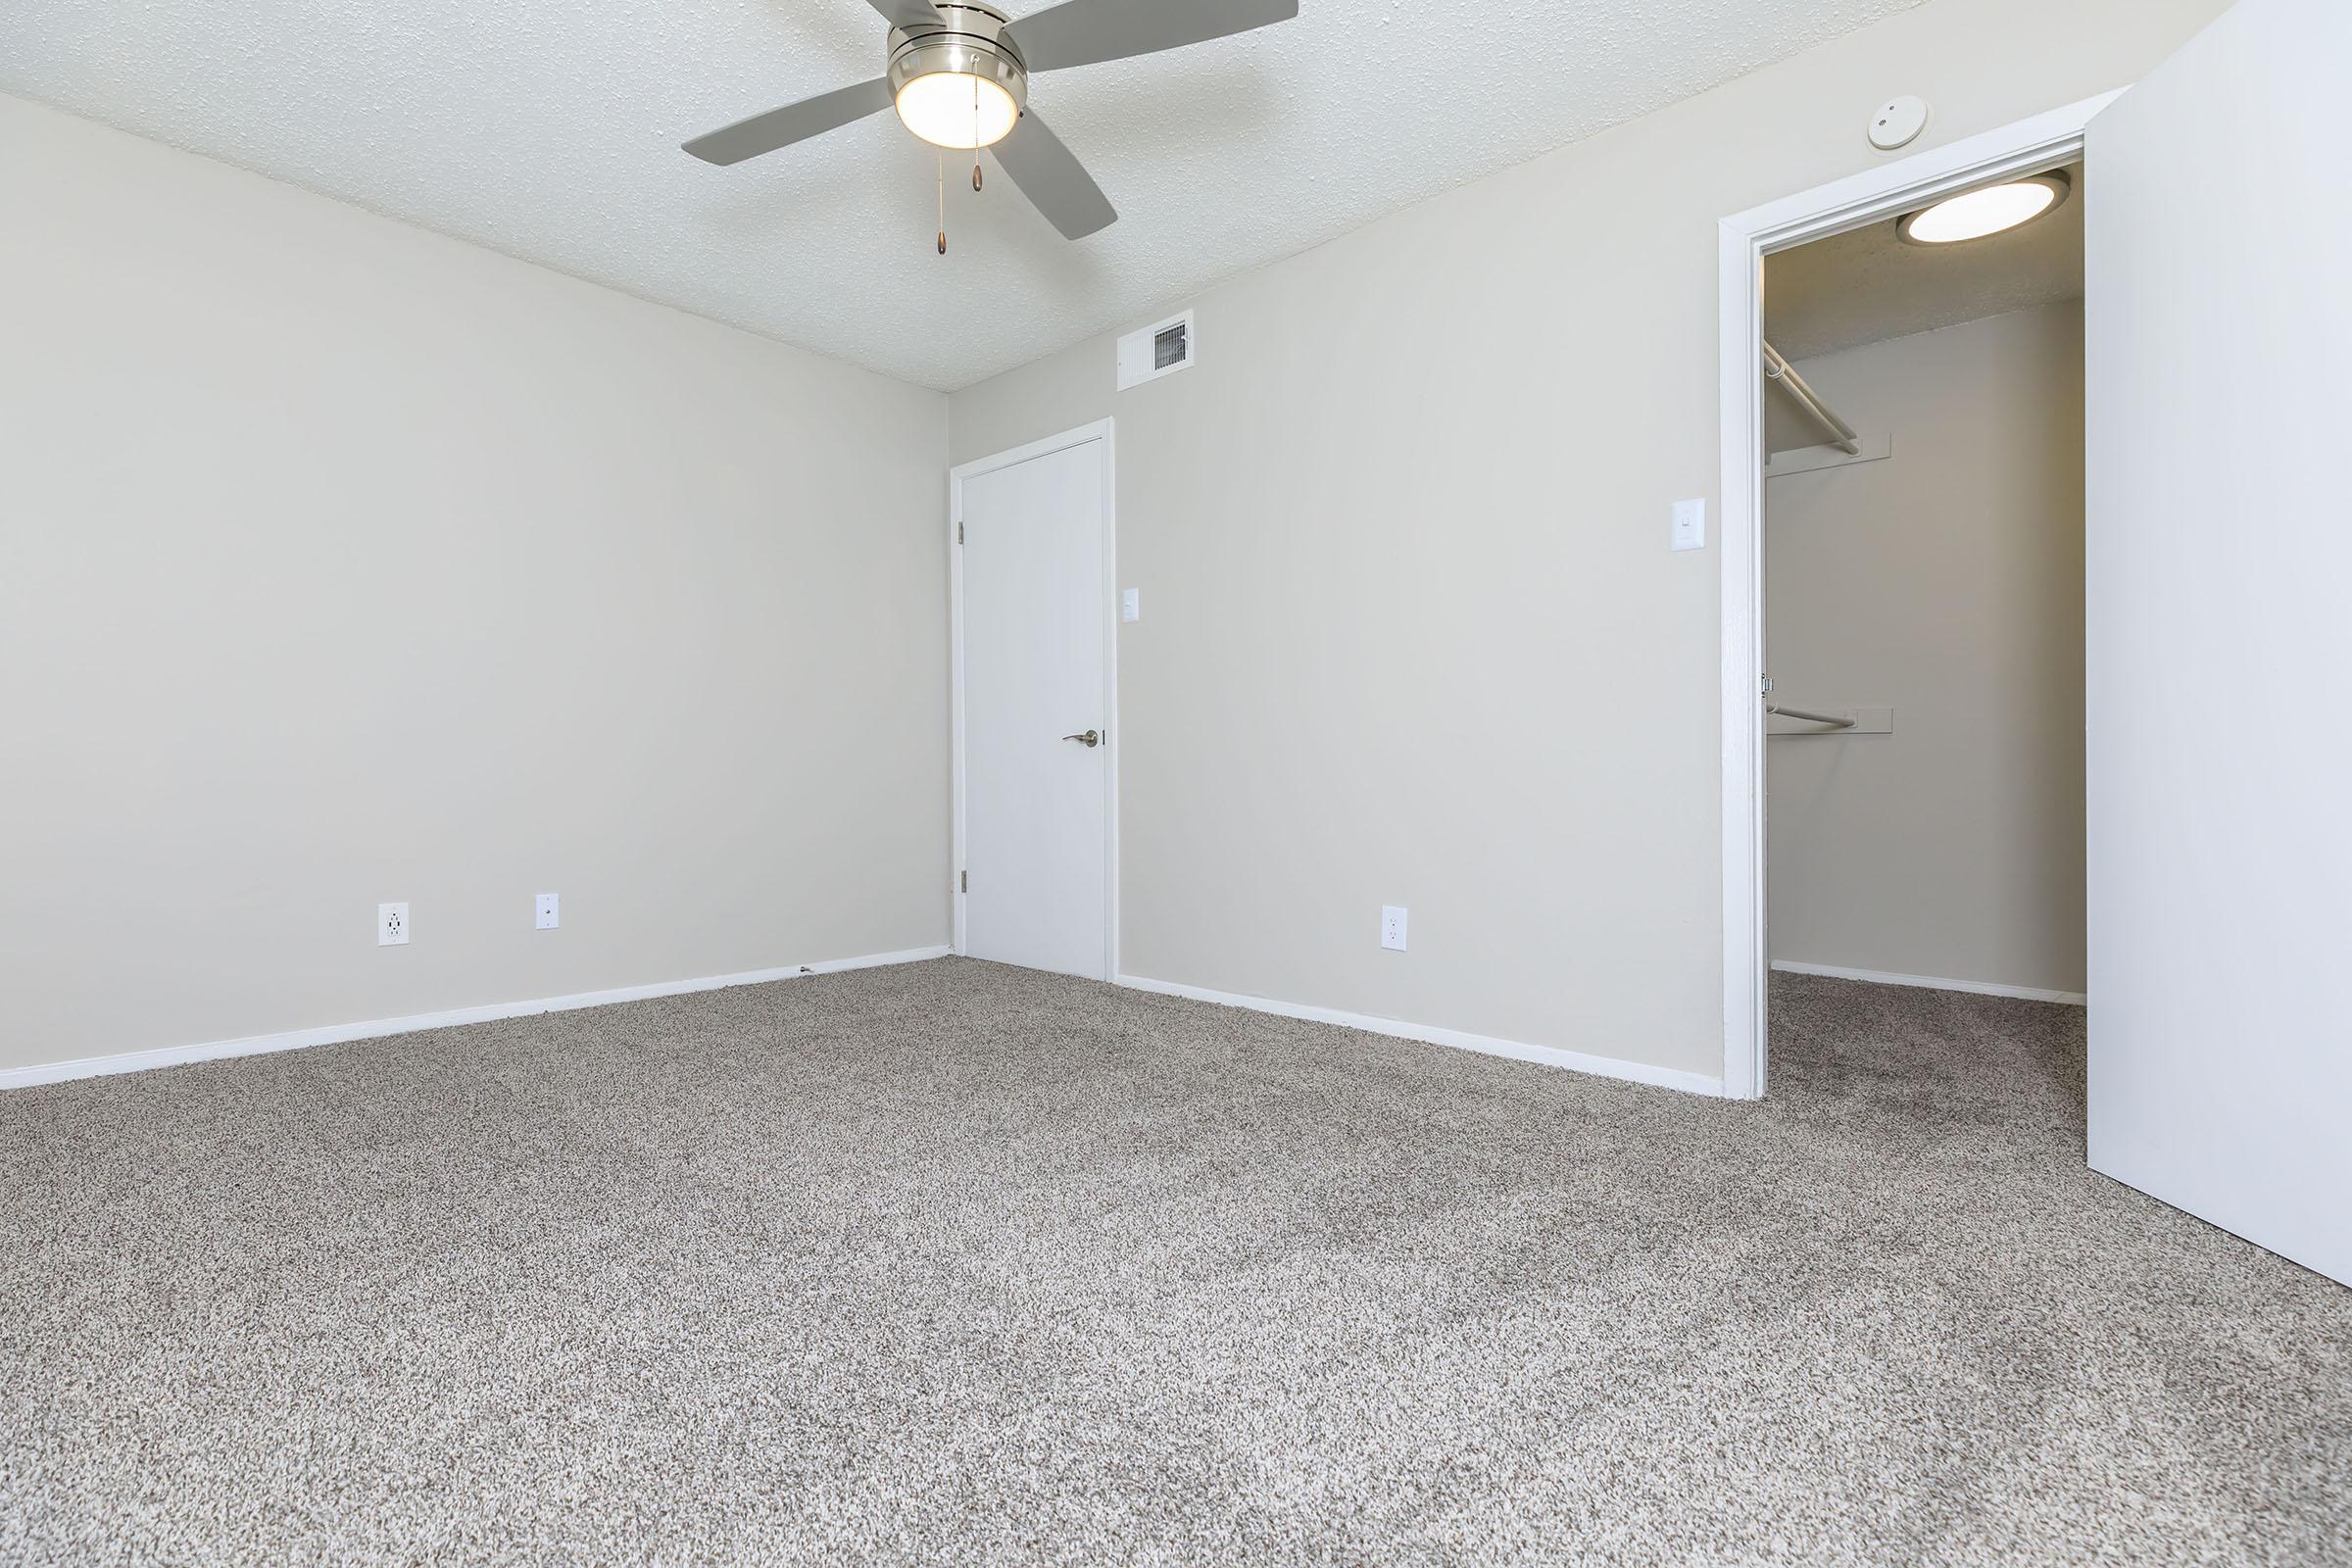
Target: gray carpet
(956, 1264)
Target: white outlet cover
(1392, 927)
(547, 911)
(391, 925)
(1131, 605)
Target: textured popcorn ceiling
(1867, 285)
(551, 131)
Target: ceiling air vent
(1158, 350)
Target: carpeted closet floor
(953, 1264)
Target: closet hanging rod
(1780, 369)
(1833, 721)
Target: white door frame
(1745, 240)
(1100, 431)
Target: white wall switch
(1690, 525)
(548, 916)
(391, 925)
(1131, 605)
(1392, 927)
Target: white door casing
(2219, 553)
(1034, 657)
(1876, 195)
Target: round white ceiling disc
(1897, 122)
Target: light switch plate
(1131, 605)
(1690, 525)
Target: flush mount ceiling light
(1973, 215)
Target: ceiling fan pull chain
(975, 133)
(943, 204)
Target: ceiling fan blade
(905, 13)
(781, 128)
(1054, 180)
(1084, 33)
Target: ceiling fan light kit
(958, 76)
(959, 84)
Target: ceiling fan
(959, 75)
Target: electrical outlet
(1392, 927)
(391, 925)
(549, 918)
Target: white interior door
(2220, 555)
(1036, 661)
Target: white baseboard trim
(1486, 1044)
(1929, 982)
(50, 1072)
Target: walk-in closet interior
(1924, 612)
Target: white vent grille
(1160, 349)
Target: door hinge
(964, 881)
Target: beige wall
(341, 562)
(1411, 631)
(1946, 584)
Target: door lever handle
(1085, 738)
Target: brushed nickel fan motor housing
(968, 41)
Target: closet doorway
(1923, 593)
(2215, 1076)
(1852, 287)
